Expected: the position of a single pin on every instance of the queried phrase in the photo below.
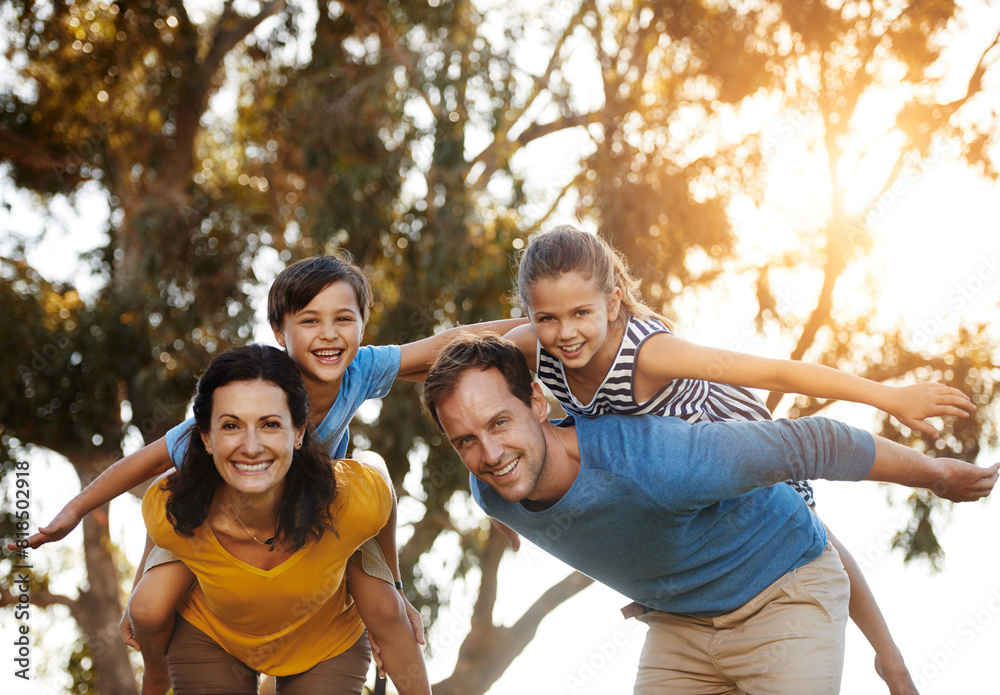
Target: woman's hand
(912, 405)
(125, 626)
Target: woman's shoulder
(358, 479)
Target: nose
(251, 442)
(492, 450)
(328, 330)
(566, 330)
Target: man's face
(498, 436)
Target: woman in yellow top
(267, 525)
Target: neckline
(285, 564)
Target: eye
(582, 312)
(544, 319)
(346, 319)
(229, 426)
(272, 424)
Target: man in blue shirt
(745, 593)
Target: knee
(149, 615)
(382, 610)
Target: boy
(317, 308)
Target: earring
(298, 444)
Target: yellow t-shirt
(285, 620)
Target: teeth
(252, 467)
(571, 348)
(328, 353)
(506, 469)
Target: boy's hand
(57, 529)
(911, 405)
(125, 626)
(964, 482)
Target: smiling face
(324, 336)
(498, 436)
(572, 317)
(251, 436)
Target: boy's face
(323, 337)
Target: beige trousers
(787, 640)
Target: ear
(206, 440)
(279, 335)
(539, 406)
(614, 304)
(300, 434)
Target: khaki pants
(787, 640)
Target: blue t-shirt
(369, 375)
(687, 518)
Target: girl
(599, 349)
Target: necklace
(268, 542)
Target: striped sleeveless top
(693, 400)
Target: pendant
(269, 541)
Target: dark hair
(480, 352)
(566, 249)
(303, 513)
(299, 283)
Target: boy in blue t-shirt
(317, 308)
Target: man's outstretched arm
(947, 478)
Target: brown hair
(299, 283)
(566, 249)
(480, 352)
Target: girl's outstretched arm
(665, 357)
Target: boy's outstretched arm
(947, 478)
(417, 357)
(149, 462)
(666, 357)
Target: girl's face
(572, 317)
(251, 436)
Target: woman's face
(251, 436)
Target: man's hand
(964, 482)
(57, 529)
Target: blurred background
(803, 179)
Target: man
(745, 593)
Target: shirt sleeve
(729, 459)
(177, 441)
(380, 365)
(154, 511)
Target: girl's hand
(911, 405)
(60, 526)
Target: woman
(267, 525)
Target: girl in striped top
(599, 349)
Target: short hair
(299, 283)
(303, 512)
(482, 352)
